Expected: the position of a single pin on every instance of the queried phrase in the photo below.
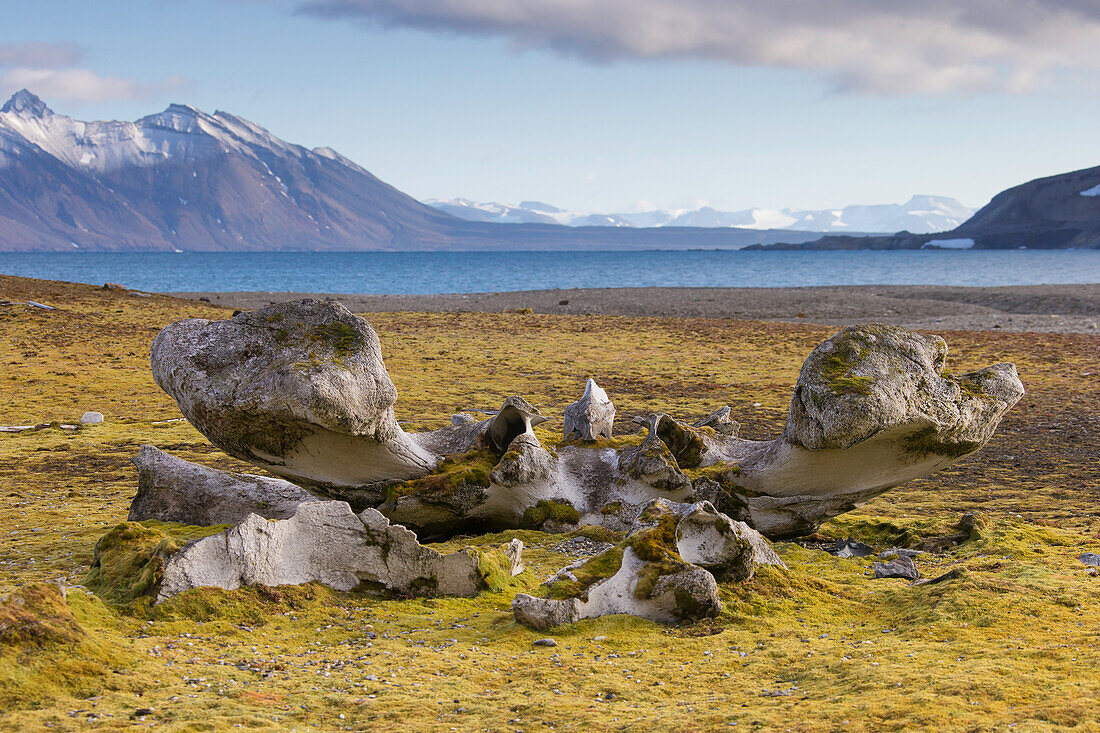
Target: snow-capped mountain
(183, 179)
(918, 215)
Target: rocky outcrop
(174, 490)
(326, 542)
(590, 417)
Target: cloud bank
(880, 47)
(51, 70)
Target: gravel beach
(1034, 308)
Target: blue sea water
(470, 272)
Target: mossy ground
(1011, 642)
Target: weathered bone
(721, 420)
(590, 417)
(324, 541)
(300, 389)
(174, 490)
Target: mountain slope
(186, 180)
(919, 214)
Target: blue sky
(444, 98)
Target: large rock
(171, 489)
(298, 388)
(710, 539)
(326, 542)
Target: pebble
(91, 418)
(900, 552)
(545, 642)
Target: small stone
(903, 567)
(545, 642)
(91, 418)
(851, 548)
(599, 638)
(900, 552)
(1090, 558)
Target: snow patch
(960, 243)
(1094, 191)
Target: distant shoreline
(1035, 308)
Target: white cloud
(866, 46)
(40, 55)
(84, 86)
(50, 70)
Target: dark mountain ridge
(1055, 212)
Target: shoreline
(1027, 308)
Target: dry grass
(1013, 642)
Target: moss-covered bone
(298, 388)
(873, 408)
(644, 575)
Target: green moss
(883, 532)
(598, 534)
(464, 469)
(655, 546)
(612, 508)
(559, 510)
(128, 561)
(926, 442)
(495, 569)
(600, 567)
(250, 605)
(722, 472)
(836, 368)
(37, 615)
(615, 443)
(340, 337)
